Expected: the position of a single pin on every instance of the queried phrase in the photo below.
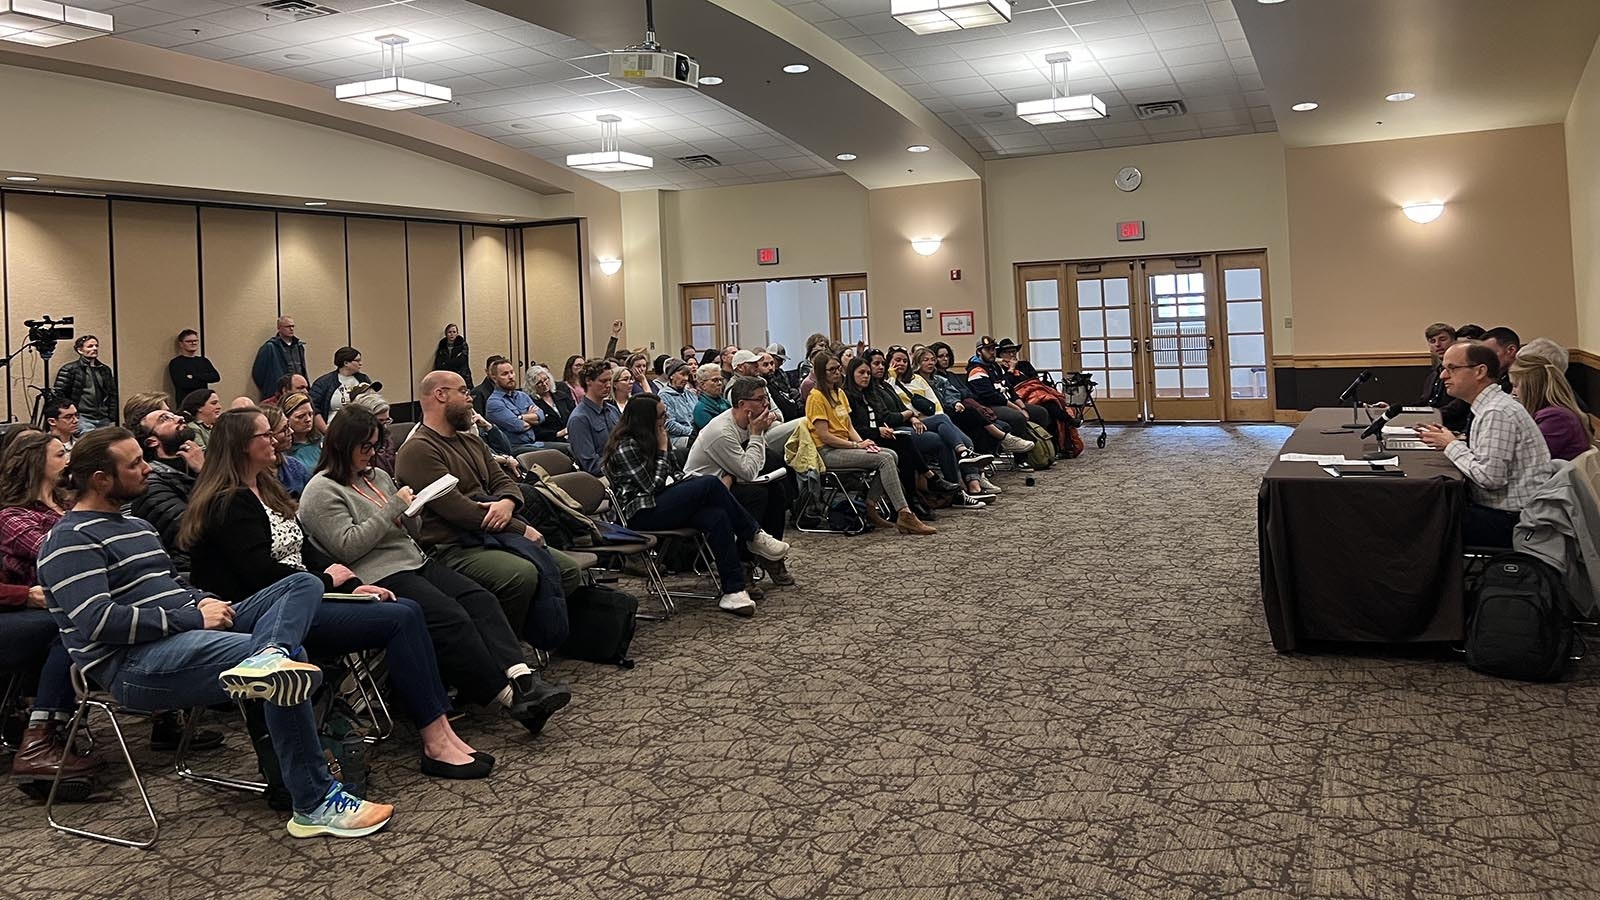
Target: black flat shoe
(481, 756)
(478, 768)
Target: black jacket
(453, 358)
(555, 417)
(233, 558)
(191, 373)
(275, 360)
(987, 383)
(72, 380)
(162, 504)
(782, 395)
(480, 396)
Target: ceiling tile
(1184, 56)
(1223, 11)
(1149, 6)
(1095, 11)
(1001, 64)
(1118, 47)
(1185, 37)
(1202, 71)
(1031, 78)
(1127, 26)
(1143, 62)
(945, 72)
(1177, 17)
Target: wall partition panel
(433, 257)
(58, 263)
(239, 291)
(311, 276)
(554, 301)
(488, 302)
(155, 247)
(378, 315)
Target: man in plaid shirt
(1506, 459)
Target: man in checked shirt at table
(1506, 458)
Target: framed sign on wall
(956, 322)
(913, 320)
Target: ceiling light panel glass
(40, 23)
(933, 16)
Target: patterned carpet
(1070, 696)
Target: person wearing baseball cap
(745, 362)
(986, 380)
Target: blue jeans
(931, 446)
(30, 641)
(181, 671)
(398, 628)
(704, 503)
(87, 424)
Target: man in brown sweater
(485, 501)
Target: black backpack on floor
(602, 623)
(1521, 627)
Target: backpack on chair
(1043, 454)
(1521, 627)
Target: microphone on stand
(1352, 396)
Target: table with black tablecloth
(1360, 559)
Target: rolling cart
(1078, 388)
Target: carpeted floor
(1072, 695)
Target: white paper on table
(1399, 431)
(1319, 459)
(444, 485)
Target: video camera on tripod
(44, 332)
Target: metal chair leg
(372, 700)
(180, 763)
(122, 744)
(8, 704)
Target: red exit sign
(767, 256)
(1130, 231)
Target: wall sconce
(1423, 213)
(926, 246)
(610, 265)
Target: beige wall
(1583, 183)
(1220, 194)
(819, 226)
(135, 272)
(898, 278)
(1367, 280)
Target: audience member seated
(556, 405)
(292, 383)
(1505, 457)
(513, 412)
(746, 363)
(452, 354)
(31, 501)
(572, 378)
(917, 395)
(689, 354)
(282, 354)
(467, 529)
(817, 341)
(188, 370)
(1452, 412)
(950, 397)
(986, 382)
(482, 390)
(305, 440)
(639, 465)
(1542, 388)
(62, 420)
(1505, 344)
(589, 427)
(291, 472)
(88, 384)
(936, 436)
(639, 369)
(732, 447)
(680, 400)
(922, 485)
(332, 390)
(374, 402)
(779, 389)
(842, 447)
(243, 533)
(710, 380)
(175, 459)
(135, 408)
(201, 408)
(153, 642)
(621, 386)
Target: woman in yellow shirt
(828, 418)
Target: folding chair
(8, 706)
(837, 484)
(553, 461)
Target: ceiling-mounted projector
(647, 64)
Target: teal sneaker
(272, 676)
(341, 815)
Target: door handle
(1074, 346)
(1147, 347)
(1211, 342)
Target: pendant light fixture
(609, 159)
(40, 23)
(393, 90)
(933, 16)
(1062, 106)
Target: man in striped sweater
(156, 643)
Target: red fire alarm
(767, 256)
(955, 274)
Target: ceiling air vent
(1161, 109)
(699, 161)
(296, 10)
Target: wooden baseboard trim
(1350, 360)
(1592, 360)
(1288, 416)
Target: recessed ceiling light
(505, 220)
(796, 68)
(316, 203)
(21, 178)
(845, 157)
(521, 126)
(1304, 107)
(1400, 96)
(1268, 2)
(297, 56)
(918, 148)
(710, 80)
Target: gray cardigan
(352, 530)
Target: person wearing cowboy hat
(986, 378)
(778, 388)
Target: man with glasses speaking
(1506, 458)
(733, 447)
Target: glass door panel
(849, 308)
(1102, 315)
(1183, 360)
(1041, 324)
(701, 320)
(1244, 305)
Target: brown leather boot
(908, 523)
(43, 746)
(875, 516)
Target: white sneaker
(965, 500)
(1013, 444)
(988, 485)
(738, 603)
(767, 547)
(975, 459)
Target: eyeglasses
(367, 446)
(262, 434)
(761, 400)
(1449, 368)
(68, 417)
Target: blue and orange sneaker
(273, 676)
(341, 815)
